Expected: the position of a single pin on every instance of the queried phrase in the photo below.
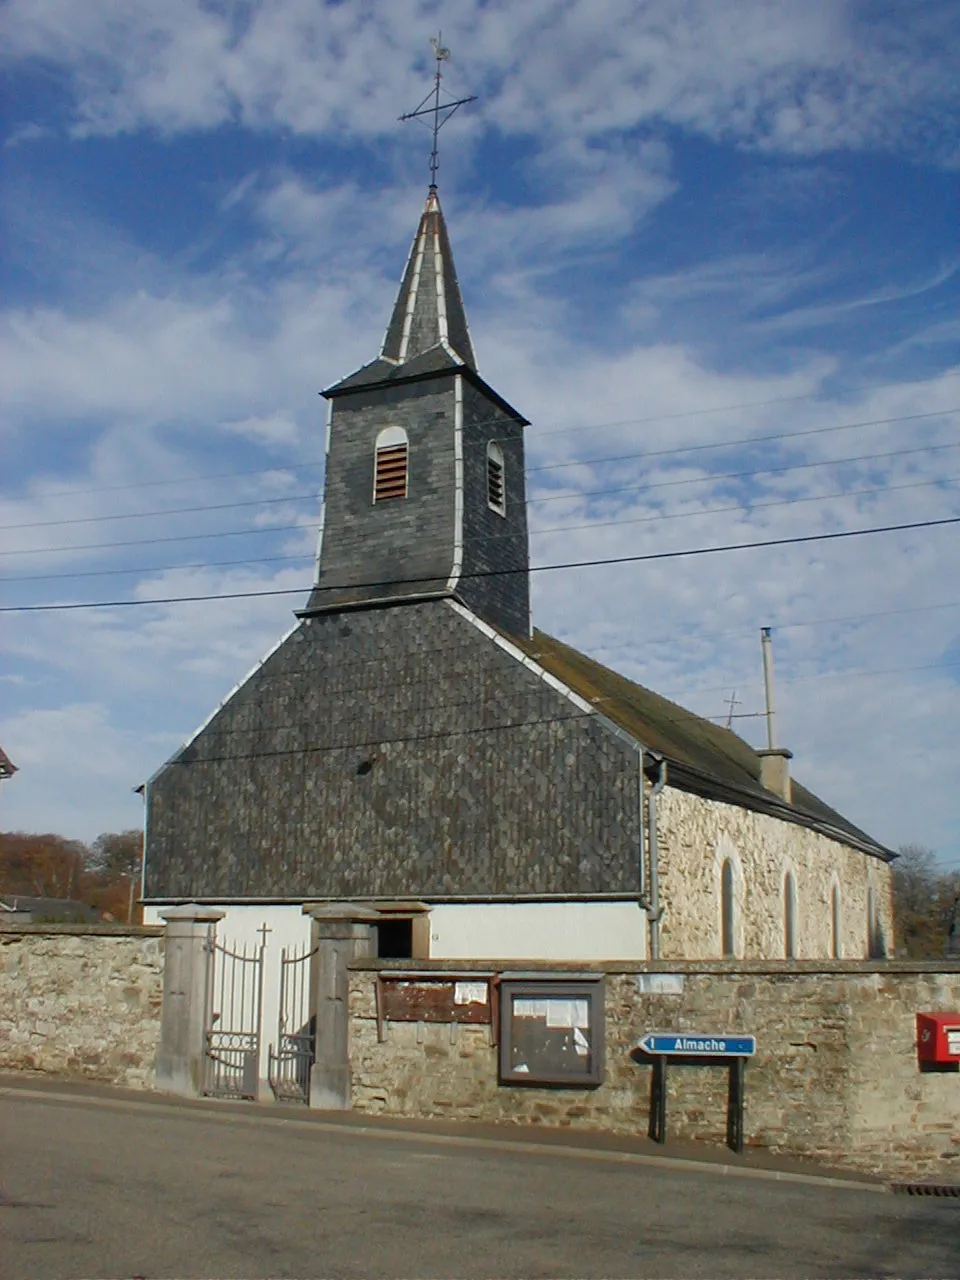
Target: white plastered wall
(538, 931)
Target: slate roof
(428, 335)
(26, 908)
(702, 757)
(428, 329)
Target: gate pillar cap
(193, 911)
(349, 911)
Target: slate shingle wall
(394, 752)
(408, 542)
(493, 542)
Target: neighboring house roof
(7, 767)
(702, 757)
(28, 908)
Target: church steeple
(429, 310)
(424, 493)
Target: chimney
(774, 761)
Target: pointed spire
(429, 311)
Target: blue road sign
(687, 1044)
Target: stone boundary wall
(835, 1077)
(81, 1001)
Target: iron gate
(234, 1000)
(291, 1059)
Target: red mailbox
(938, 1037)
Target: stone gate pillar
(182, 1031)
(342, 932)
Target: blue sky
(680, 228)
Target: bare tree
(925, 903)
(116, 853)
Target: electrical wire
(664, 484)
(648, 488)
(281, 468)
(796, 540)
(534, 533)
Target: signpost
(693, 1046)
(682, 1044)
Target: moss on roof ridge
(686, 738)
(614, 687)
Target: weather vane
(433, 106)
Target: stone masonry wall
(835, 1077)
(696, 835)
(81, 1001)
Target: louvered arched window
(496, 480)
(391, 465)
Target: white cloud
(276, 429)
(801, 80)
(77, 770)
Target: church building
(415, 745)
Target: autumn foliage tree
(44, 866)
(104, 875)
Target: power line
(797, 540)
(854, 673)
(627, 457)
(677, 638)
(302, 465)
(649, 453)
(312, 496)
(534, 533)
(648, 488)
(714, 476)
(376, 742)
(746, 509)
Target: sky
(708, 247)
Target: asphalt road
(94, 1187)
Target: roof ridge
(713, 760)
(428, 310)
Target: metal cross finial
(734, 703)
(441, 111)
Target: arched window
(390, 468)
(728, 937)
(836, 947)
(876, 949)
(789, 916)
(496, 483)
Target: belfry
(424, 490)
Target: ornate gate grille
(233, 1004)
(293, 1056)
